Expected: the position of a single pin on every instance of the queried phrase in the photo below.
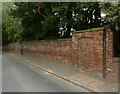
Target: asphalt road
(0, 73)
(21, 77)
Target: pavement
(18, 76)
(68, 73)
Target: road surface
(0, 73)
(18, 76)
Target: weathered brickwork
(56, 50)
(87, 52)
(12, 48)
(84, 51)
(112, 65)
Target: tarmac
(70, 74)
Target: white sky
(103, 15)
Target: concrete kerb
(57, 75)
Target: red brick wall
(84, 51)
(87, 52)
(57, 49)
(112, 65)
(12, 48)
(89, 46)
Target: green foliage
(112, 10)
(30, 19)
(88, 15)
(42, 20)
(11, 28)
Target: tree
(50, 22)
(30, 19)
(87, 15)
(43, 20)
(10, 27)
(112, 10)
(78, 15)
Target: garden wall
(57, 49)
(84, 51)
(87, 52)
